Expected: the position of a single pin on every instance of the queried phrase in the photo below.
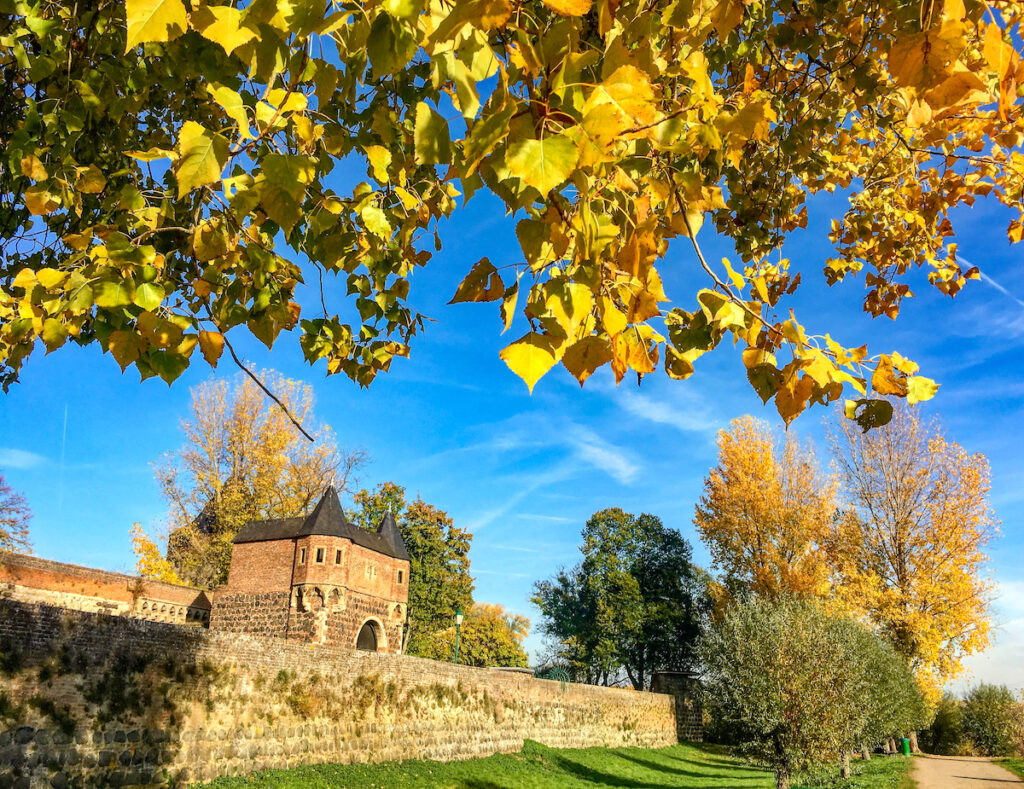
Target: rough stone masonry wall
(263, 614)
(93, 700)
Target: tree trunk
(865, 753)
(887, 746)
(781, 779)
(844, 769)
(913, 743)
(892, 746)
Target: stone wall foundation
(92, 700)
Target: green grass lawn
(539, 767)
(1015, 766)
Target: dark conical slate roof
(329, 520)
(388, 531)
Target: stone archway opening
(369, 639)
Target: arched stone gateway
(371, 637)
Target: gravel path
(962, 772)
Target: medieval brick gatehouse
(319, 579)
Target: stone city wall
(94, 700)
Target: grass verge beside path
(1015, 766)
(539, 767)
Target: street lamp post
(458, 627)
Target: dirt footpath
(961, 772)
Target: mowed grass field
(539, 767)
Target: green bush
(990, 720)
(945, 735)
(790, 681)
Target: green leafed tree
(636, 603)
(945, 732)
(789, 681)
(892, 702)
(167, 176)
(439, 579)
(991, 720)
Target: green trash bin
(905, 746)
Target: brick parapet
(35, 580)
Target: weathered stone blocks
(150, 703)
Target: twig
(718, 282)
(257, 381)
(266, 391)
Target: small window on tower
(337, 556)
(319, 555)
(399, 576)
(302, 556)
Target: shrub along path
(957, 772)
(539, 767)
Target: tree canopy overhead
(166, 174)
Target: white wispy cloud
(592, 449)
(687, 416)
(501, 573)
(515, 548)
(523, 488)
(532, 516)
(19, 458)
(994, 318)
(987, 278)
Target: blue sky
(524, 472)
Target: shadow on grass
(718, 762)
(600, 778)
(713, 775)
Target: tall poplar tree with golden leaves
(910, 554)
(767, 513)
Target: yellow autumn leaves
(609, 129)
(893, 533)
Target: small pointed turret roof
(388, 531)
(328, 519)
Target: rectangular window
(337, 556)
(302, 556)
(399, 576)
(319, 555)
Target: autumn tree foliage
(242, 460)
(767, 513)
(910, 554)
(489, 636)
(439, 574)
(167, 175)
(635, 604)
(15, 516)
(150, 559)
